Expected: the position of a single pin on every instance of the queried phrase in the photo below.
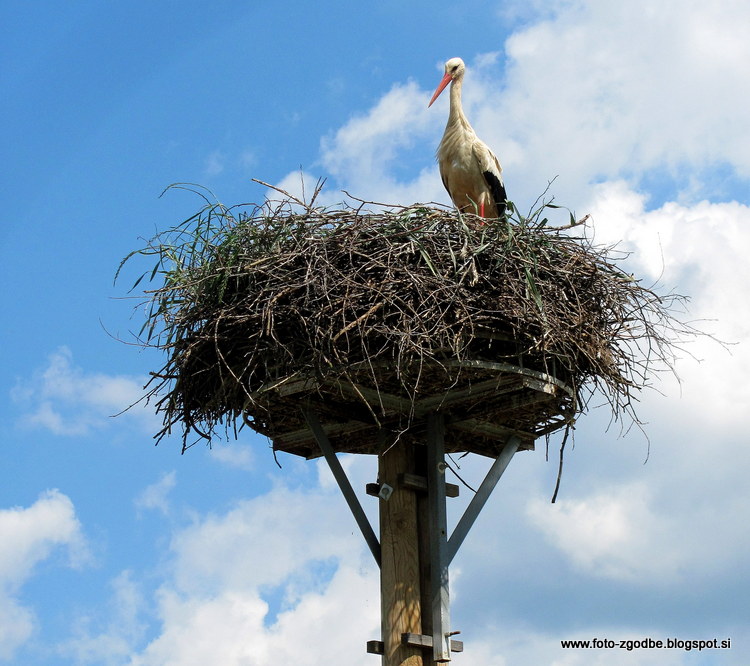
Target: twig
(560, 467)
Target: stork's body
(470, 171)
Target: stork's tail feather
(498, 191)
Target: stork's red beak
(446, 80)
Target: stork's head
(454, 71)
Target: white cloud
(614, 534)
(234, 454)
(155, 496)
(214, 164)
(124, 627)
(262, 541)
(229, 627)
(363, 154)
(296, 549)
(697, 251)
(68, 401)
(607, 89)
(248, 159)
(16, 626)
(221, 629)
(27, 537)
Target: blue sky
(113, 551)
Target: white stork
(470, 171)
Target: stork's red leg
(481, 214)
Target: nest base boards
(488, 404)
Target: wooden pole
(399, 573)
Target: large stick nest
(377, 317)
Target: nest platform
(486, 402)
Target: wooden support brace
(480, 498)
(346, 488)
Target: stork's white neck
(456, 114)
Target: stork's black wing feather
(498, 191)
